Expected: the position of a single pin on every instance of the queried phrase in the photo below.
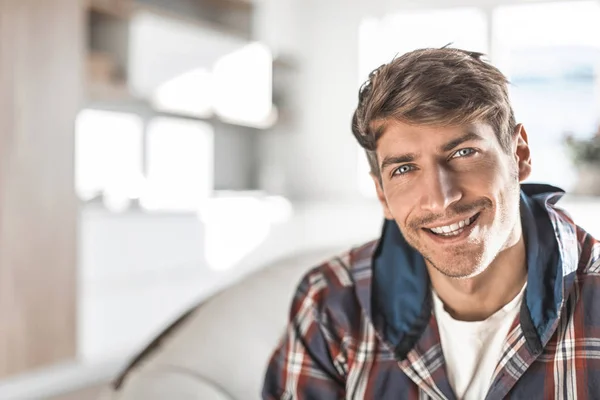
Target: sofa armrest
(167, 383)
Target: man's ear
(522, 152)
(386, 210)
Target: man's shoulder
(579, 248)
(589, 253)
(333, 282)
(344, 269)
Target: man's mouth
(454, 229)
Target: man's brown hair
(436, 87)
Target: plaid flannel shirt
(362, 327)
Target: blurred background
(153, 152)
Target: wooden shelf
(121, 9)
(191, 20)
(232, 17)
(111, 94)
(245, 5)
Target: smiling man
(479, 287)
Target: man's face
(453, 191)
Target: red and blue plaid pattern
(334, 346)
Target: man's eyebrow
(460, 140)
(410, 157)
(393, 160)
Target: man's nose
(440, 190)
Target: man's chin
(459, 268)
(461, 274)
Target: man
(478, 286)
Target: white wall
(317, 152)
(234, 157)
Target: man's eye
(463, 153)
(403, 170)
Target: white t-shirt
(472, 349)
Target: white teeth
(452, 230)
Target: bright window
(108, 155)
(551, 54)
(179, 164)
(191, 70)
(243, 86)
(380, 40)
(190, 94)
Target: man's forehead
(397, 131)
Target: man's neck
(477, 298)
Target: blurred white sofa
(220, 349)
